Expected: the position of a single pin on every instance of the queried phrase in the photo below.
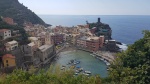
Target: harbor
(82, 62)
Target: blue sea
(125, 28)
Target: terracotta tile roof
(3, 30)
(8, 56)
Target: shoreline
(109, 56)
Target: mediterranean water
(87, 62)
(125, 28)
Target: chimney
(99, 20)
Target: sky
(88, 7)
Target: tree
(132, 66)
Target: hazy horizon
(90, 7)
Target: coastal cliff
(100, 28)
(18, 12)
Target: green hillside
(17, 11)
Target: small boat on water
(107, 69)
(76, 62)
(107, 63)
(92, 55)
(88, 72)
(81, 69)
(76, 73)
(102, 59)
(62, 68)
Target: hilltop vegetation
(17, 11)
(131, 67)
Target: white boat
(102, 59)
(76, 73)
(62, 68)
(92, 55)
(74, 63)
(81, 69)
(88, 72)
(107, 63)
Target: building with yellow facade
(8, 60)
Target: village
(46, 42)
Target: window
(6, 61)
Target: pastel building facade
(91, 43)
(45, 38)
(45, 52)
(9, 60)
(81, 42)
(29, 51)
(5, 33)
(35, 40)
(11, 45)
(57, 38)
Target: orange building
(92, 43)
(9, 60)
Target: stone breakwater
(106, 55)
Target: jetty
(110, 57)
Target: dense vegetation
(22, 39)
(57, 77)
(4, 25)
(131, 67)
(17, 11)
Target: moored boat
(88, 72)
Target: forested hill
(17, 11)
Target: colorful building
(57, 38)
(5, 33)
(45, 38)
(45, 52)
(92, 43)
(11, 45)
(35, 40)
(81, 42)
(102, 39)
(29, 51)
(8, 60)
